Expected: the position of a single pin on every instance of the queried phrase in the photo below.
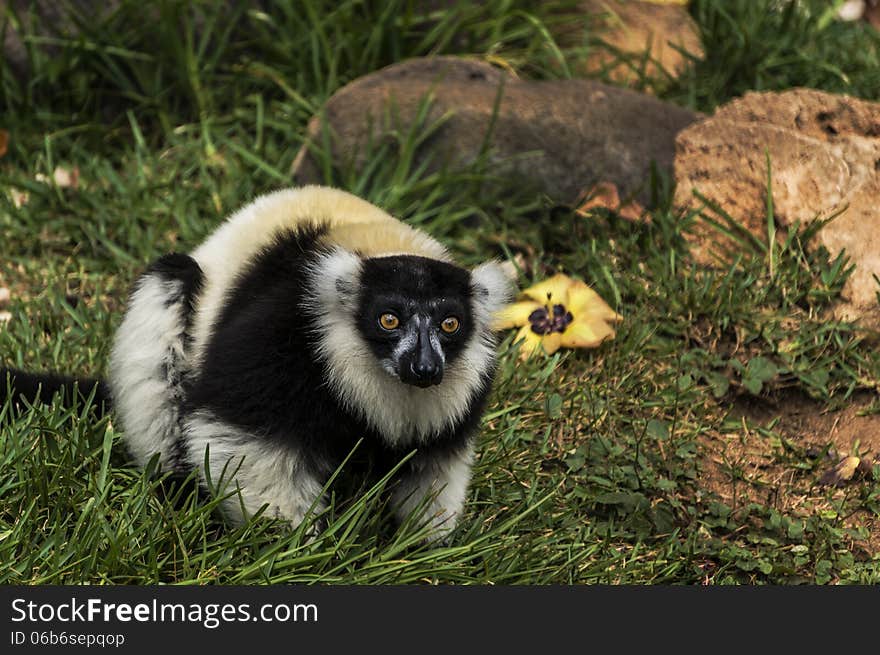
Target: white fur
(493, 288)
(262, 472)
(446, 481)
(147, 358)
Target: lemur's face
(415, 315)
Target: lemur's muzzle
(423, 365)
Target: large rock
(824, 151)
(562, 135)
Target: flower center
(550, 318)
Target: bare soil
(780, 449)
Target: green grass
(753, 49)
(591, 466)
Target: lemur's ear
(493, 284)
(336, 278)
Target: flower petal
(586, 334)
(535, 343)
(557, 286)
(584, 303)
(551, 342)
(514, 315)
(531, 342)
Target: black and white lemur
(307, 321)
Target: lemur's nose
(428, 366)
(427, 371)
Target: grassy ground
(593, 465)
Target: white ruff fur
(402, 413)
(263, 473)
(446, 481)
(147, 351)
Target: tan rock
(635, 28)
(872, 14)
(824, 151)
(563, 136)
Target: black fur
(42, 386)
(182, 268)
(260, 372)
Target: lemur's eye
(389, 321)
(450, 325)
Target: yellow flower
(558, 313)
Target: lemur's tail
(35, 387)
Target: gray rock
(44, 18)
(562, 135)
